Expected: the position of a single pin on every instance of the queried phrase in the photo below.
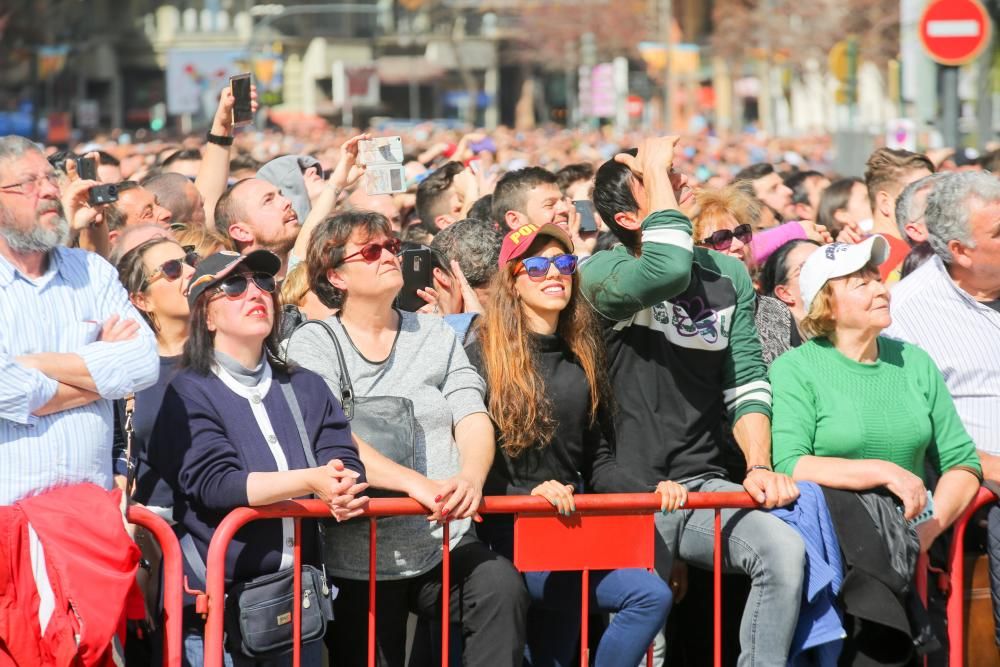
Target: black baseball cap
(214, 268)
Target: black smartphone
(417, 274)
(86, 167)
(585, 207)
(242, 111)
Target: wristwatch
(758, 467)
(219, 140)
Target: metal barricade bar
(956, 597)
(639, 503)
(173, 581)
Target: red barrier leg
(371, 592)
(584, 616)
(717, 592)
(956, 597)
(445, 594)
(173, 581)
(297, 596)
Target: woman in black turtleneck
(540, 353)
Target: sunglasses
(372, 251)
(172, 269)
(538, 267)
(236, 286)
(723, 239)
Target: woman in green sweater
(856, 411)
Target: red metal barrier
(173, 581)
(956, 598)
(622, 504)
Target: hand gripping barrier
(173, 575)
(595, 515)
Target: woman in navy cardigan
(226, 436)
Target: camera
(103, 194)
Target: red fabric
(91, 563)
(20, 640)
(898, 250)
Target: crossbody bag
(387, 423)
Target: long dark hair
(775, 269)
(834, 198)
(518, 402)
(199, 348)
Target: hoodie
(285, 173)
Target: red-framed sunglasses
(372, 251)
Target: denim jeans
(755, 543)
(640, 600)
(194, 655)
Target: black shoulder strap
(346, 388)
(300, 424)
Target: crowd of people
(228, 332)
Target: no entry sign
(954, 32)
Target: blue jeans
(755, 543)
(639, 599)
(194, 655)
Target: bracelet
(752, 468)
(219, 140)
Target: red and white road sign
(954, 32)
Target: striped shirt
(962, 336)
(62, 311)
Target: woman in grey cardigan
(353, 267)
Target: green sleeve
(951, 445)
(619, 285)
(793, 429)
(745, 387)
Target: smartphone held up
(242, 105)
(383, 160)
(417, 268)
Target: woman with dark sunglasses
(723, 221)
(230, 433)
(541, 354)
(155, 274)
(389, 353)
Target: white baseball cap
(836, 260)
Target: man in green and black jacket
(682, 344)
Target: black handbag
(387, 423)
(258, 612)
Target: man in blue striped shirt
(70, 341)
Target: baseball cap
(516, 243)
(836, 260)
(214, 268)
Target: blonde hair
(820, 321)
(204, 241)
(713, 205)
(296, 285)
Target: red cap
(517, 242)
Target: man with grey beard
(70, 340)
